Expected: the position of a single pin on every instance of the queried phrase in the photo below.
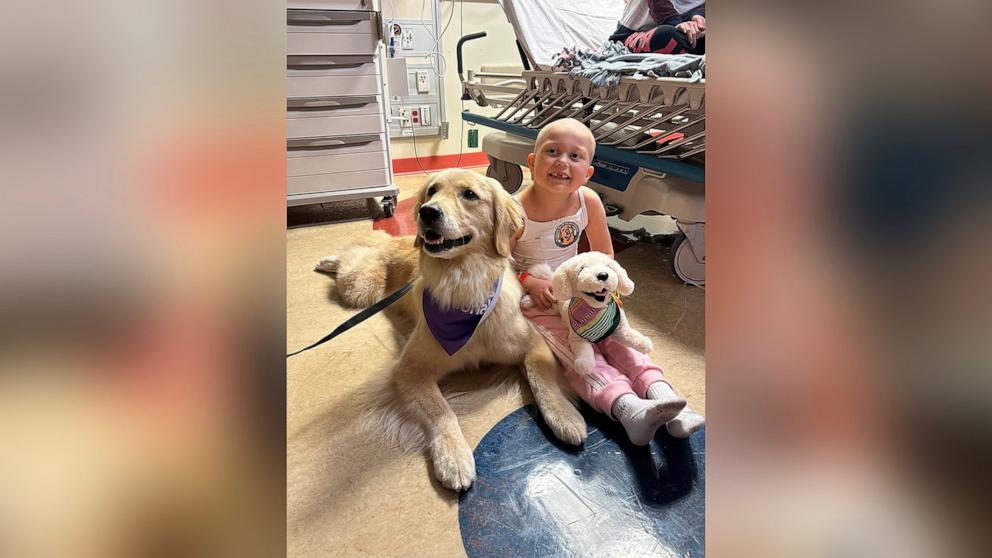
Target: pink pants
(624, 369)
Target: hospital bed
(650, 133)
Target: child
(625, 384)
(663, 26)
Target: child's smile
(563, 159)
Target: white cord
(461, 128)
(685, 308)
(415, 155)
(439, 67)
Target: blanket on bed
(613, 60)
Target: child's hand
(539, 291)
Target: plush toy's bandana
(591, 323)
(454, 327)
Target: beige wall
(497, 48)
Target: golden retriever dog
(465, 222)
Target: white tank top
(550, 242)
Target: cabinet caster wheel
(388, 206)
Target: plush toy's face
(595, 284)
(593, 277)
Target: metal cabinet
(337, 146)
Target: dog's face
(591, 276)
(460, 210)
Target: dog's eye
(470, 195)
(431, 191)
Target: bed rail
(662, 117)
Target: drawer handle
(322, 17)
(317, 62)
(328, 102)
(330, 142)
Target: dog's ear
(508, 217)
(624, 285)
(564, 278)
(418, 240)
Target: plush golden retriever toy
(588, 285)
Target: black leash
(359, 317)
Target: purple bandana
(454, 327)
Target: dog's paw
(584, 365)
(328, 264)
(643, 345)
(454, 465)
(567, 424)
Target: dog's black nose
(429, 214)
(602, 276)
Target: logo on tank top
(566, 234)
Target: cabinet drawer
(334, 125)
(331, 65)
(333, 4)
(331, 86)
(331, 43)
(336, 181)
(330, 116)
(310, 107)
(329, 21)
(348, 143)
(315, 147)
(331, 162)
(330, 75)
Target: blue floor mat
(535, 496)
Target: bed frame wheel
(511, 176)
(389, 206)
(685, 264)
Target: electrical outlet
(407, 39)
(404, 117)
(423, 86)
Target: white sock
(660, 390)
(641, 418)
(687, 422)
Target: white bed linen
(544, 27)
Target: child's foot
(660, 390)
(641, 418)
(687, 422)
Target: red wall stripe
(438, 162)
